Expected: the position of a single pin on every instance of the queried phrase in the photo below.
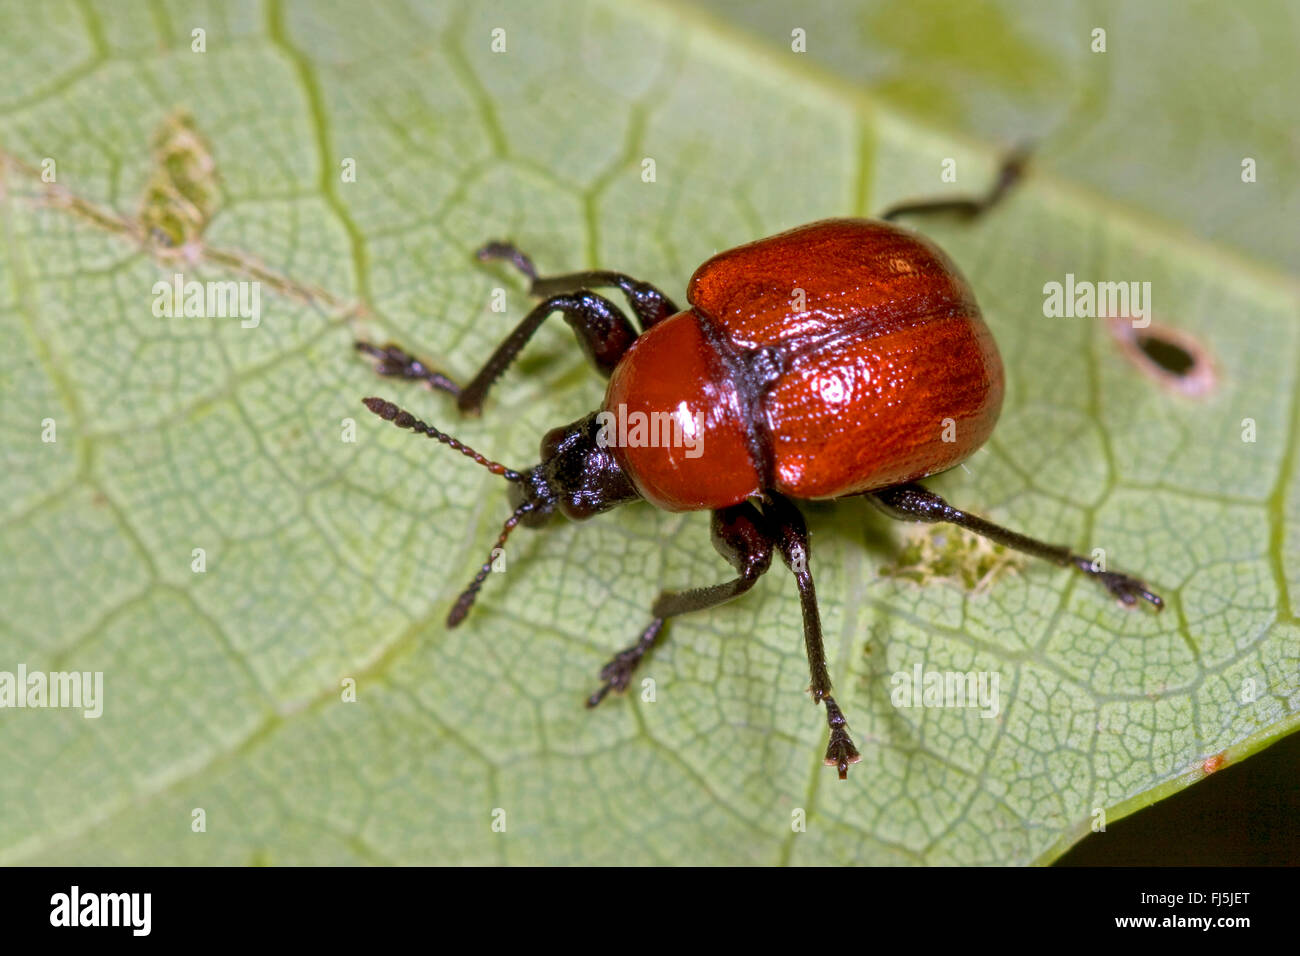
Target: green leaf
(328, 560)
(1160, 120)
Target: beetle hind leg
(911, 502)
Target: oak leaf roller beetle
(836, 392)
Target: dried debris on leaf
(183, 192)
(952, 555)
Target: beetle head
(577, 476)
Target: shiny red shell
(840, 357)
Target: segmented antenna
(466, 599)
(404, 419)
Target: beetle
(824, 362)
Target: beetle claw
(392, 361)
(499, 249)
(841, 753)
(616, 679)
(617, 674)
(1128, 590)
(597, 697)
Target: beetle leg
(792, 541)
(602, 330)
(912, 502)
(618, 672)
(393, 361)
(969, 207)
(649, 304)
(740, 535)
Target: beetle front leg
(649, 304)
(914, 503)
(740, 535)
(603, 332)
(393, 361)
(792, 541)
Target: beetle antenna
(466, 599)
(404, 419)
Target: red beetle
(844, 357)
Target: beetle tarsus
(393, 361)
(1127, 590)
(499, 249)
(617, 674)
(840, 752)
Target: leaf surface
(328, 559)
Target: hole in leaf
(1170, 356)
